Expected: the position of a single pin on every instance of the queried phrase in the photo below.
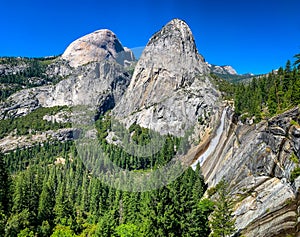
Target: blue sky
(251, 35)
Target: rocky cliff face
(258, 161)
(94, 47)
(99, 77)
(170, 91)
(170, 87)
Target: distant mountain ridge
(228, 73)
(226, 69)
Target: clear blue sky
(251, 35)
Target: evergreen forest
(47, 190)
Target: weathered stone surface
(170, 87)
(6, 69)
(99, 45)
(170, 91)
(96, 81)
(255, 160)
(12, 142)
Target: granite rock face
(92, 75)
(257, 162)
(8, 69)
(170, 87)
(99, 84)
(12, 142)
(170, 91)
(99, 45)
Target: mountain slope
(258, 162)
(170, 92)
(98, 79)
(170, 88)
(94, 47)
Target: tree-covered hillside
(48, 191)
(21, 73)
(264, 96)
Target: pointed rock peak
(172, 49)
(97, 46)
(180, 24)
(177, 29)
(169, 84)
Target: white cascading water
(213, 143)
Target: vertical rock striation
(258, 161)
(170, 87)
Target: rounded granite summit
(97, 46)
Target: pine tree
(46, 202)
(221, 223)
(4, 187)
(297, 62)
(288, 67)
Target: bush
(295, 174)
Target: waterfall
(213, 143)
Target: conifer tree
(4, 186)
(297, 62)
(222, 223)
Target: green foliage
(5, 185)
(221, 222)
(273, 93)
(263, 96)
(63, 231)
(295, 173)
(294, 158)
(211, 191)
(140, 137)
(39, 197)
(32, 74)
(294, 123)
(128, 230)
(67, 200)
(226, 87)
(45, 229)
(17, 222)
(26, 233)
(297, 61)
(32, 123)
(2, 223)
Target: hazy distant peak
(226, 69)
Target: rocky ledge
(258, 161)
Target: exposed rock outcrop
(99, 78)
(222, 69)
(6, 69)
(171, 91)
(94, 47)
(170, 87)
(257, 161)
(12, 142)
